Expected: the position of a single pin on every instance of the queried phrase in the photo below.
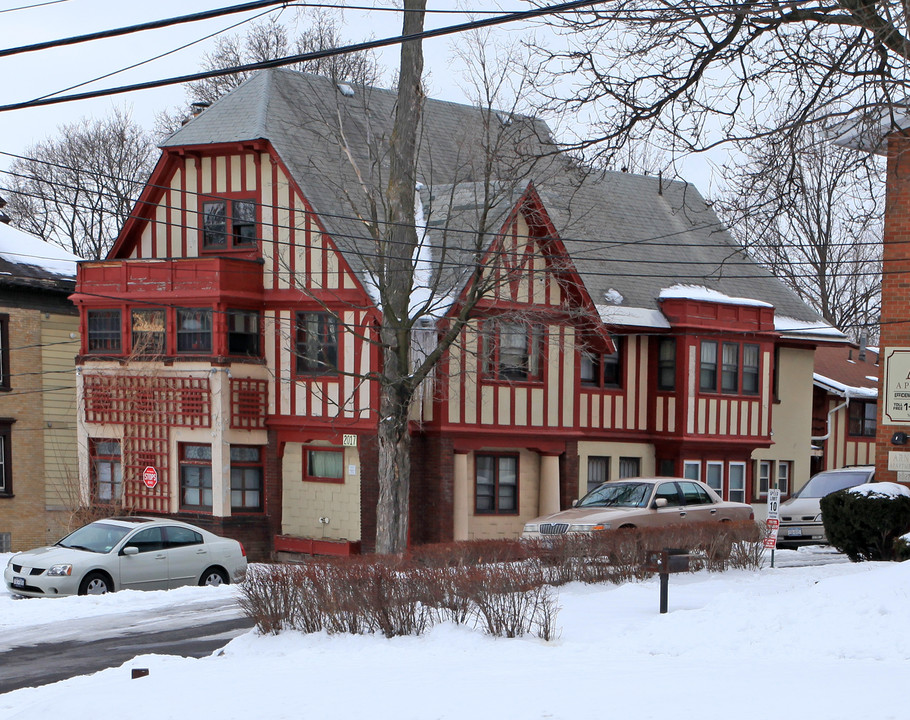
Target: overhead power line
(34, 5)
(315, 55)
(153, 25)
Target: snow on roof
(881, 489)
(22, 248)
(699, 292)
(638, 317)
(839, 388)
(613, 296)
(820, 328)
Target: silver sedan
(137, 553)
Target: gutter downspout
(845, 403)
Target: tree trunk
(397, 276)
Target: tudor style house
(230, 338)
(39, 485)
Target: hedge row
(504, 587)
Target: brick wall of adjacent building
(25, 517)
(895, 315)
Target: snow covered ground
(798, 640)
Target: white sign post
(773, 521)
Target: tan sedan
(640, 502)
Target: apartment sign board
(896, 410)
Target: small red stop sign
(150, 477)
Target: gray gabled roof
(629, 236)
(29, 261)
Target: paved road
(44, 654)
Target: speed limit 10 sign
(773, 521)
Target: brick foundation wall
(568, 473)
(251, 530)
(432, 490)
(895, 328)
(369, 491)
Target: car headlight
(60, 570)
(589, 528)
(531, 528)
(818, 518)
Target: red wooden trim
(343, 266)
(310, 546)
(292, 239)
(275, 228)
(150, 196)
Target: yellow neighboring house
(39, 338)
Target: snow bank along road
(43, 641)
(46, 640)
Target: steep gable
(630, 236)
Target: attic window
(228, 224)
(345, 89)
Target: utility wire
(153, 25)
(30, 7)
(315, 55)
(157, 57)
(594, 244)
(713, 225)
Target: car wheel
(95, 584)
(626, 527)
(214, 576)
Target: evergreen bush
(865, 526)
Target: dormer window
(228, 224)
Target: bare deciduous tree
(696, 73)
(428, 261)
(807, 210)
(270, 40)
(77, 189)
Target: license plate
(18, 582)
(794, 532)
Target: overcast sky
(32, 75)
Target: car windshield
(98, 537)
(829, 482)
(617, 495)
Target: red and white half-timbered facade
(229, 339)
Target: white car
(801, 515)
(120, 553)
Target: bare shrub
(386, 600)
(512, 599)
(444, 590)
(271, 596)
(468, 552)
(747, 551)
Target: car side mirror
(659, 503)
(575, 502)
(130, 550)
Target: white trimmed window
(737, 481)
